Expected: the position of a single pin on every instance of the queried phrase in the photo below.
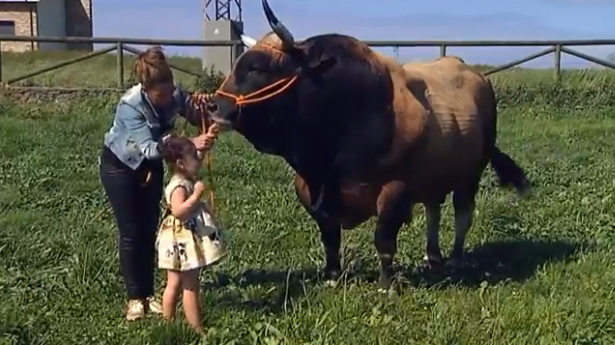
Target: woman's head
(181, 156)
(154, 73)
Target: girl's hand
(199, 188)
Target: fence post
(120, 64)
(0, 62)
(443, 50)
(557, 54)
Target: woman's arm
(135, 122)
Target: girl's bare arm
(182, 205)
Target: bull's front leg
(321, 205)
(324, 208)
(394, 208)
(331, 237)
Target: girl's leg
(191, 298)
(171, 292)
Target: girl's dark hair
(175, 148)
(152, 68)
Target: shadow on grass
(495, 262)
(270, 291)
(514, 260)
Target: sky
(372, 20)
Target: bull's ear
(315, 70)
(323, 66)
(317, 67)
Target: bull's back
(459, 107)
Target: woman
(131, 169)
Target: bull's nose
(212, 107)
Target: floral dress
(190, 244)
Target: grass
(543, 268)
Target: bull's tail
(509, 172)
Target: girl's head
(181, 156)
(154, 73)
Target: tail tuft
(509, 172)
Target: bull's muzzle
(222, 111)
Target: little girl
(188, 238)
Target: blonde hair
(152, 68)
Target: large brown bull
(366, 136)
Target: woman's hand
(214, 129)
(203, 142)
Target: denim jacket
(138, 126)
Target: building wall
(79, 22)
(51, 23)
(24, 16)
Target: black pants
(135, 205)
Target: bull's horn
(248, 41)
(288, 41)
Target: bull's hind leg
(464, 205)
(433, 254)
(394, 208)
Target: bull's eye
(256, 69)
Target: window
(7, 27)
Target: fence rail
(120, 45)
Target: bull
(367, 136)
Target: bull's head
(262, 84)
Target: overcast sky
(398, 20)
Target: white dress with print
(190, 244)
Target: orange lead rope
(202, 100)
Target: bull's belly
(433, 179)
(359, 204)
(358, 201)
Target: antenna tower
(223, 22)
(223, 10)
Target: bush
(209, 81)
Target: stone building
(46, 18)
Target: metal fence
(121, 45)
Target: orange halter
(255, 97)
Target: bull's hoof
(454, 263)
(433, 262)
(385, 281)
(331, 277)
(331, 283)
(391, 290)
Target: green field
(543, 269)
